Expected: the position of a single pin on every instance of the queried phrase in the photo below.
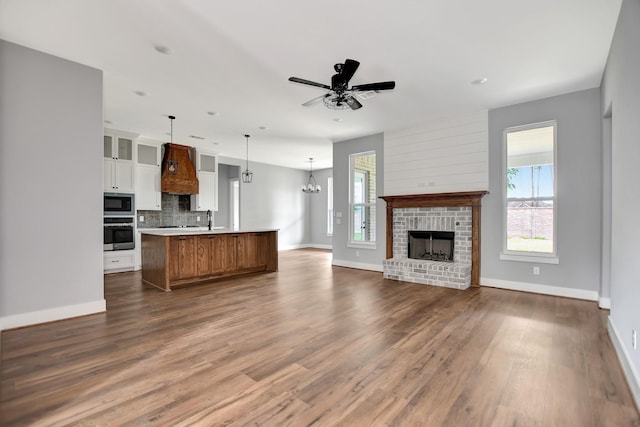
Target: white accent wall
(50, 188)
(438, 156)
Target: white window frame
(356, 243)
(330, 206)
(528, 256)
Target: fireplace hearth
(449, 260)
(431, 245)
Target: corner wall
(50, 188)
(621, 98)
(343, 255)
(274, 200)
(318, 211)
(579, 186)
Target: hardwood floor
(317, 345)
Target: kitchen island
(175, 257)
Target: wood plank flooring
(317, 345)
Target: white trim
(304, 246)
(317, 246)
(630, 373)
(540, 289)
(358, 265)
(604, 303)
(291, 247)
(547, 123)
(52, 314)
(528, 257)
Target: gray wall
(621, 95)
(318, 211)
(579, 200)
(273, 200)
(342, 254)
(50, 187)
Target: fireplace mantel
(468, 198)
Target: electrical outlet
(141, 218)
(536, 270)
(198, 218)
(634, 341)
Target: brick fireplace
(454, 214)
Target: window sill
(361, 245)
(529, 257)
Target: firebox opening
(432, 245)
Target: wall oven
(119, 204)
(119, 233)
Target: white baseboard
(630, 373)
(52, 314)
(358, 265)
(604, 303)
(317, 246)
(540, 289)
(304, 246)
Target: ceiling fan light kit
(340, 96)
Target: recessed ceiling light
(213, 113)
(263, 128)
(481, 81)
(337, 120)
(108, 122)
(141, 93)
(165, 50)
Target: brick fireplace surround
(458, 212)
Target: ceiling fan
(340, 96)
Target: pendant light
(247, 175)
(172, 164)
(311, 186)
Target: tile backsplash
(175, 212)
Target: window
(330, 206)
(362, 199)
(530, 192)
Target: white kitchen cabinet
(116, 261)
(148, 175)
(206, 164)
(119, 167)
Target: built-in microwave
(118, 233)
(119, 204)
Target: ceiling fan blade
(375, 86)
(308, 82)
(353, 103)
(315, 100)
(349, 69)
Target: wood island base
(170, 259)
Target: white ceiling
(234, 58)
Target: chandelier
(247, 175)
(311, 186)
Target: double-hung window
(530, 193)
(362, 199)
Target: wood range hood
(178, 173)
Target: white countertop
(199, 230)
